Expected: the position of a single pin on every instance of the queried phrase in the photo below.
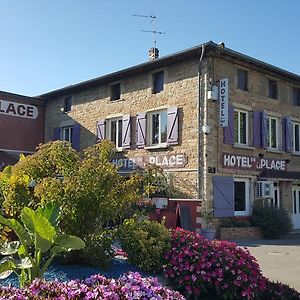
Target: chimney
(153, 53)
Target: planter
(209, 233)
(233, 233)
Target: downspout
(200, 133)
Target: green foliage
(87, 187)
(145, 242)
(272, 221)
(38, 234)
(234, 222)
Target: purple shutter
(100, 130)
(287, 134)
(56, 133)
(223, 193)
(172, 129)
(229, 130)
(76, 137)
(126, 130)
(257, 131)
(141, 130)
(264, 127)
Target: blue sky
(49, 44)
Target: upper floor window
(115, 91)
(158, 82)
(158, 127)
(272, 133)
(68, 104)
(114, 131)
(241, 127)
(242, 82)
(296, 96)
(273, 90)
(66, 134)
(296, 137)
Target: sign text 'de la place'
(243, 162)
(168, 161)
(18, 109)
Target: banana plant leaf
(9, 248)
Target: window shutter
(229, 130)
(126, 130)
(172, 126)
(264, 121)
(76, 136)
(257, 131)
(223, 193)
(100, 130)
(56, 133)
(141, 130)
(287, 134)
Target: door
(296, 207)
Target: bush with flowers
(196, 266)
(129, 286)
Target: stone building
(21, 126)
(224, 126)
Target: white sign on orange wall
(18, 110)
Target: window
(115, 91)
(158, 127)
(296, 96)
(272, 89)
(158, 82)
(114, 131)
(272, 133)
(296, 137)
(241, 196)
(242, 83)
(66, 134)
(241, 127)
(67, 104)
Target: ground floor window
(67, 133)
(241, 197)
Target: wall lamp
(288, 161)
(261, 155)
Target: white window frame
(150, 127)
(66, 134)
(294, 138)
(271, 202)
(269, 136)
(245, 212)
(108, 130)
(238, 142)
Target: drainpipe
(200, 103)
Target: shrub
(279, 291)
(233, 222)
(129, 286)
(196, 266)
(272, 221)
(145, 242)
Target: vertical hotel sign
(223, 99)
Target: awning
(279, 174)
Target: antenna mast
(154, 31)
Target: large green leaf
(20, 231)
(41, 229)
(7, 265)
(24, 263)
(9, 248)
(69, 242)
(51, 212)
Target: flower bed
(196, 266)
(129, 286)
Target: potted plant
(208, 228)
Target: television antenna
(154, 31)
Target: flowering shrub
(145, 242)
(129, 286)
(197, 266)
(279, 291)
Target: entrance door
(296, 208)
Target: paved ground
(279, 259)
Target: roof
(8, 95)
(164, 61)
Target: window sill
(296, 153)
(160, 146)
(117, 100)
(243, 146)
(274, 150)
